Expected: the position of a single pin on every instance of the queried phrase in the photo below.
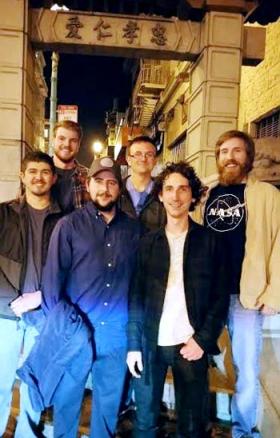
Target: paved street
(167, 423)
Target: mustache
(105, 193)
(232, 161)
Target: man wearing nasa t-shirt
(245, 213)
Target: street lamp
(97, 148)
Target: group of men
(97, 272)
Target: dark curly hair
(188, 172)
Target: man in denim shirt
(90, 264)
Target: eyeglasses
(138, 155)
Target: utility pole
(53, 97)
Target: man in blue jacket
(90, 263)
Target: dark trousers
(190, 384)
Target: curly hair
(188, 172)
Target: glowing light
(56, 7)
(97, 147)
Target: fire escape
(151, 81)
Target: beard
(108, 207)
(228, 176)
(64, 159)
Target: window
(269, 126)
(178, 151)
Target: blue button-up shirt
(138, 198)
(90, 263)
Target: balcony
(151, 81)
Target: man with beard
(245, 214)
(90, 263)
(70, 189)
(25, 228)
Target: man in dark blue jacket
(90, 263)
(178, 306)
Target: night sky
(91, 82)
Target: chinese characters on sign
(101, 29)
(159, 37)
(130, 31)
(105, 30)
(73, 26)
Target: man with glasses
(137, 199)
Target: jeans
(108, 373)
(108, 377)
(245, 329)
(190, 382)
(16, 338)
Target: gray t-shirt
(34, 249)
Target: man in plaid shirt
(70, 189)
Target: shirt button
(109, 264)
(108, 285)
(108, 244)
(105, 304)
(102, 323)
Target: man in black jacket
(178, 306)
(25, 228)
(137, 198)
(138, 201)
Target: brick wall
(260, 85)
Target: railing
(151, 73)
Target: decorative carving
(130, 31)
(159, 37)
(101, 29)
(73, 26)
(267, 159)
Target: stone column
(16, 98)
(214, 87)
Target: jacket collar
(192, 226)
(20, 204)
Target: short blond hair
(68, 124)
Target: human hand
(268, 311)
(191, 350)
(25, 302)
(135, 363)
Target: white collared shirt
(175, 327)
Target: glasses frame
(146, 155)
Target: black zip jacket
(152, 216)
(13, 248)
(204, 282)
